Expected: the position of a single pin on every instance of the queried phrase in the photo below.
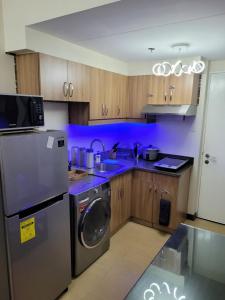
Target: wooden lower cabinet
(175, 190)
(142, 196)
(120, 200)
(147, 191)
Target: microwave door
(33, 169)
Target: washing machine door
(94, 223)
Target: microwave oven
(21, 111)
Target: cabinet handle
(71, 88)
(65, 89)
(164, 192)
(103, 110)
(172, 88)
(106, 111)
(118, 110)
(165, 98)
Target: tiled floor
(131, 250)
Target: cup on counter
(75, 156)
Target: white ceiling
(126, 29)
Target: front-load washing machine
(90, 230)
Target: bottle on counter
(90, 158)
(98, 158)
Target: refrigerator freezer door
(39, 253)
(33, 168)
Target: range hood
(180, 110)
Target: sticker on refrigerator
(27, 230)
(50, 142)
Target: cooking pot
(150, 153)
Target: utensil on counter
(150, 153)
(114, 150)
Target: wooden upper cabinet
(108, 95)
(97, 105)
(120, 100)
(53, 78)
(108, 90)
(27, 74)
(137, 94)
(79, 80)
(142, 196)
(183, 89)
(160, 90)
(156, 89)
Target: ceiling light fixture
(166, 68)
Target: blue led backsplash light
(125, 133)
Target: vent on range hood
(180, 110)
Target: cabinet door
(157, 89)
(120, 96)
(27, 74)
(115, 204)
(53, 78)
(125, 196)
(108, 90)
(142, 196)
(120, 201)
(183, 89)
(166, 187)
(137, 93)
(79, 82)
(97, 106)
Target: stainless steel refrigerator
(36, 216)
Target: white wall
(18, 14)
(7, 74)
(56, 115)
(48, 44)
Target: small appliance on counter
(168, 163)
(150, 153)
(20, 112)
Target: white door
(212, 189)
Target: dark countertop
(132, 164)
(96, 177)
(190, 266)
(84, 184)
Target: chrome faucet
(99, 141)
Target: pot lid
(151, 147)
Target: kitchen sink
(107, 167)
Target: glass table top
(190, 266)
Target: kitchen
(96, 81)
